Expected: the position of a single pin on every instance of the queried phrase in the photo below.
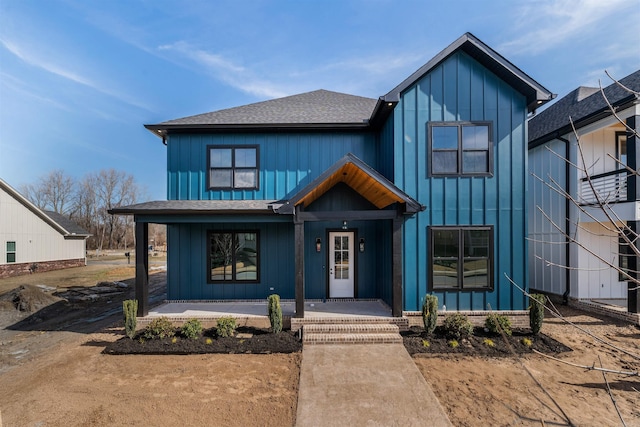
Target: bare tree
(54, 191)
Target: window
(233, 256)
(460, 148)
(461, 258)
(233, 167)
(11, 252)
(621, 149)
(625, 258)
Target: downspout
(567, 222)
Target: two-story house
(326, 195)
(584, 197)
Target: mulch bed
(247, 340)
(417, 342)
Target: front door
(341, 269)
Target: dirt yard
(53, 373)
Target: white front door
(341, 264)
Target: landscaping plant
(275, 313)
(457, 326)
(159, 328)
(226, 327)
(130, 311)
(536, 312)
(497, 323)
(192, 329)
(430, 313)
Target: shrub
(191, 329)
(208, 341)
(226, 327)
(453, 344)
(457, 326)
(527, 342)
(536, 312)
(159, 328)
(430, 313)
(489, 342)
(130, 311)
(426, 343)
(275, 313)
(496, 323)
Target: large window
(460, 148)
(233, 167)
(11, 252)
(461, 258)
(233, 256)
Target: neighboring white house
(556, 265)
(35, 240)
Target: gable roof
(320, 108)
(535, 93)
(365, 180)
(584, 106)
(59, 222)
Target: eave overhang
(197, 207)
(363, 179)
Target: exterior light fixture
(318, 244)
(361, 244)
(344, 224)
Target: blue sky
(79, 79)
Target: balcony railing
(610, 187)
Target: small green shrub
(191, 329)
(426, 343)
(208, 341)
(453, 343)
(430, 313)
(527, 342)
(226, 327)
(536, 312)
(457, 326)
(159, 328)
(497, 323)
(275, 313)
(489, 342)
(174, 340)
(130, 311)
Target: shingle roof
(318, 107)
(71, 227)
(197, 207)
(582, 104)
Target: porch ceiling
(362, 182)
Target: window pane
(220, 158)
(11, 257)
(11, 246)
(245, 158)
(445, 273)
(475, 137)
(475, 161)
(244, 178)
(444, 137)
(476, 243)
(444, 162)
(445, 243)
(221, 256)
(246, 256)
(220, 178)
(476, 274)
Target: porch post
(299, 262)
(396, 268)
(142, 268)
(633, 194)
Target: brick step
(298, 323)
(351, 338)
(350, 328)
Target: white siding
(36, 240)
(546, 242)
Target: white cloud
(546, 24)
(31, 57)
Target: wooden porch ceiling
(362, 182)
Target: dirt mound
(27, 298)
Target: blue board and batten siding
(460, 89)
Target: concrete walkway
(364, 385)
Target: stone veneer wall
(13, 269)
(519, 318)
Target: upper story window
(621, 149)
(233, 167)
(11, 252)
(460, 148)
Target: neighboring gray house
(557, 264)
(32, 239)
